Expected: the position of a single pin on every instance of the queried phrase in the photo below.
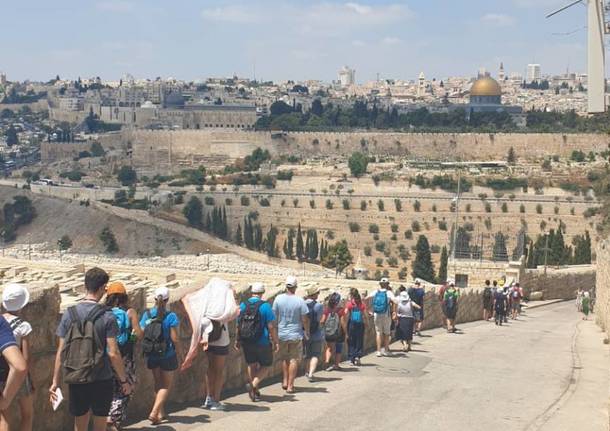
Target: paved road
(546, 371)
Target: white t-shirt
(389, 293)
(23, 330)
(224, 339)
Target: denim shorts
(166, 364)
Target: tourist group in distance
(97, 338)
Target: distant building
(421, 85)
(486, 96)
(347, 76)
(71, 104)
(501, 74)
(534, 73)
(2, 79)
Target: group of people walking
(96, 356)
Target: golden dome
(486, 86)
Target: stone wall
(559, 283)
(44, 314)
(602, 287)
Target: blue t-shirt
(266, 317)
(7, 339)
(169, 321)
(318, 310)
(289, 310)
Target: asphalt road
(546, 371)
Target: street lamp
(208, 258)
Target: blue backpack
(380, 302)
(356, 314)
(124, 325)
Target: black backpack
(84, 350)
(332, 328)
(250, 325)
(487, 293)
(314, 322)
(154, 343)
(216, 333)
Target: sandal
(154, 421)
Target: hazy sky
(286, 39)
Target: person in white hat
(405, 319)
(257, 336)
(381, 307)
(163, 364)
(293, 325)
(14, 297)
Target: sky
(286, 39)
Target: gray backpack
(84, 350)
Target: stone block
(170, 277)
(536, 296)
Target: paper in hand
(59, 397)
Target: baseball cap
(15, 296)
(384, 280)
(162, 292)
(258, 287)
(417, 281)
(404, 296)
(116, 287)
(291, 281)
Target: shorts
(383, 324)
(95, 397)
(339, 347)
(313, 348)
(291, 350)
(515, 306)
(166, 364)
(218, 350)
(258, 354)
(418, 315)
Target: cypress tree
(314, 248)
(442, 270)
(270, 246)
(208, 223)
(300, 248)
(499, 252)
(248, 233)
(258, 237)
(422, 265)
(238, 236)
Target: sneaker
(207, 403)
(310, 378)
(358, 363)
(217, 406)
(257, 395)
(251, 392)
(379, 354)
(331, 368)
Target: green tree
(300, 248)
(358, 163)
(289, 244)
(64, 243)
(422, 265)
(499, 252)
(193, 211)
(239, 240)
(97, 150)
(442, 269)
(511, 157)
(109, 240)
(270, 242)
(127, 176)
(338, 256)
(11, 136)
(248, 233)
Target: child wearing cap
(129, 331)
(163, 365)
(14, 298)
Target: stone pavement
(546, 371)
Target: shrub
(402, 274)
(228, 202)
(295, 202)
(542, 225)
(354, 227)
(398, 205)
(504, 207)
(556, 210)
(379, 261)
(488, 223)
(433, 207)
(487, 207)
(346, 204)
(109, 240)
(209, 200)
(482, 196)
(435, 248)
(393, 261)
(590, 212)
(285, 175)
(409, 234)
(312, 204)
(363, 205)
(539, 209)
(415, 226)
(264, 202)
(245, 201)
(329, 204)
(368, 251)
(394, 237)
(373, 228)
(380, 246)
(330, 234)
(394, 227)
(416, 206)
(442, 225)
(522, 208)
(572, 211)
(468, 208)
(380, 205)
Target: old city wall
(602, 287)
(149, 146)
(39, 106)
(559, 283)
(43, 312)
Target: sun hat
(116, 287)
(404, 296)
(15, 296)
(162, 292)
(314, 290)
(258, 287)
(291, 281)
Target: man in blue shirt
(258, 355)
(13, 367)
(293, 326)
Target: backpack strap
(96, 312)
(15, 323)
(74, 318)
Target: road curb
(545, 303)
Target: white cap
(15, 296)
(417, 281)
(450, 282)
(162, 292)
(404, 296)
(258, 287)
(291, 281)
(384, 280)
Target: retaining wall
(559, 283)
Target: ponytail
(161, 306)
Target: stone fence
(558, 283)
(44, 313)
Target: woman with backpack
(129, 332)
(405, 320)
(355, 312)
(161, 348)
(335, 329)
(450, 304)
(14, 298)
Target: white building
(534, 73)
(347, 76)
(71, 104)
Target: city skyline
(294, 40)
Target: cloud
(238, 14)
(498, 19)
(114, 6)
(390, 40)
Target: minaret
(421, 88)
(501, 74)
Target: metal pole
(546, 252)
(208, 255)
(457, 215)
